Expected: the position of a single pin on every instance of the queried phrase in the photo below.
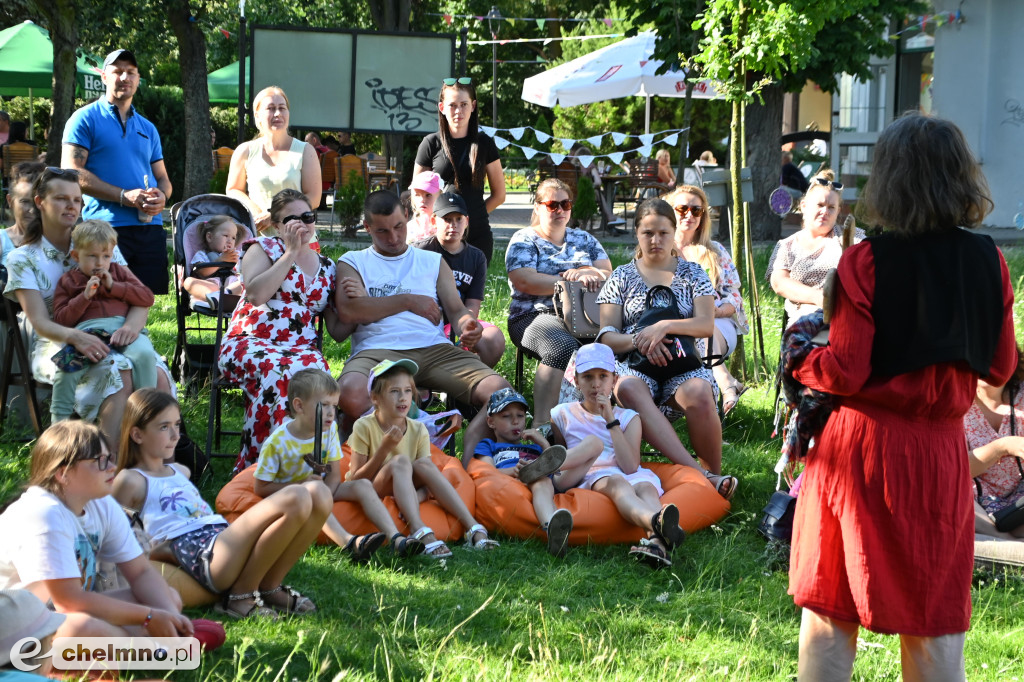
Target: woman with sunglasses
(693, 242)
(273, 161)
(464, 158)
(800, 262)
(537, 257)
(272, 333)
(64, 525)
(33, 271)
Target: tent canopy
(223, 83)
(26, 63)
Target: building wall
(979, 85)
(815, 107)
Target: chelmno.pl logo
(109, 653)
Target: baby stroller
(200, 324)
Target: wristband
(613, 423)
(120, 200)
(149, 617)
(633, 339)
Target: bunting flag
(224, 32)
(543, 40)
(619, 138)
(920, 23)
(586, 159)
(607, 21)
(666, 137)
(646, 139)
(669, 137)
(517, 133)
(595, 140)
(541, 136)
(528, 152)
(567, 142)
(501, 142)
(557, 158)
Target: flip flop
(731, 397)
(361, 547)
(547, 463)
(665, 525)
(559, 527)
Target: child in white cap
(606, 441)
(24, 615)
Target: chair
(222, 158)
(378, 174)
(15, 352)
(344, 166)
(13, 154)
(569, 173)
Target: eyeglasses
(465, 80)
(564, 204)
(829, 183)
(685, 209)
(102, 461)
(309, 217)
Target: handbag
(577, 308)
(777, 520)
(661, 305)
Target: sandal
(730, 483)
(483, 543)
(650, 553)
(257, 608)
(403, 546)
(546, 464)
(558, 528)
(361, 547)
(665, 525)
(731, 397)
(298, 604)
(436, 549)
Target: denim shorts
(194, 551)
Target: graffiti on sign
(405, 108)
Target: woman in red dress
(884, 530)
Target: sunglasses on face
(461, 81)
(102, 461)
(309, 217)
(685, 210)
(829, 183)
(564, 204)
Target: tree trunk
(61, 17)
(764, 131)
(192, 52)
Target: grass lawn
(721, 611)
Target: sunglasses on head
(309, 217)
(55, 172)
(564, 204)
(829, 183)
(102, 461)
(465, 80)
(685, 210)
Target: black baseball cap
(123, 55)
(450, 202)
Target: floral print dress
(37, 267)
(266, 344)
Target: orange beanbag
(238, 495)
(192, 593)
(503, 504)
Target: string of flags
(505, 41)
(540, 21)
(669, 137)
(921, 22)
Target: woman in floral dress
(273, 333)
(33, 270)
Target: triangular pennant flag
(529, 152)
(540, 24)
(488, 130)
(586, 160)
(646, 151)
(618, 138)
(646, 139)
(517, 133)
(541, 60)
(567, 143)
(447, 19)
(479, 18)
(595, 141)
(557, 158)
(672, 140)
(607, 22)
(616, 157)
(225, 33)
(541, 136)
(500, 142)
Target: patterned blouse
(627, 288)
(808, 267)
(1004, 477)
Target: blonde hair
(143, 406)
(211, 225)
(309, 382)
(93, 233)
(663, 154)
(382, 382)
(59, 446)
(263, 94)
(707, 254)
(546, 186)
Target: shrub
(585, 207)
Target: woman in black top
(463, 158)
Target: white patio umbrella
(622, 69)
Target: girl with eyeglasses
(64, 525)
(694, 243)
(799, 263)
(538, 256)
(272, 333)
(464, 158)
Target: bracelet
(120, 200)
(633, 339)
(613, 423)
(149, 617)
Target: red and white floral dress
(266, 344)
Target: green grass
(720, 612)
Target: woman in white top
(274, 161)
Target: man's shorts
(443, 367)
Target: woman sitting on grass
(245, 562)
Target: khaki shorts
(443, 367)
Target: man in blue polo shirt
(120, 162)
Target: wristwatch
(612, 423)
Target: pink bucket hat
(428, 181)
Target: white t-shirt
(575, 423)
(414, 272)
(44, 540)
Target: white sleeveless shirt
(414, 272)
(173, 507)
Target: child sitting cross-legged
(393, 451)
(286, 459)
(606, 441)
(532, 462)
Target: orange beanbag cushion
(192, 593)
(238, 496)
(503, 504)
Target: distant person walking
(120, 164)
